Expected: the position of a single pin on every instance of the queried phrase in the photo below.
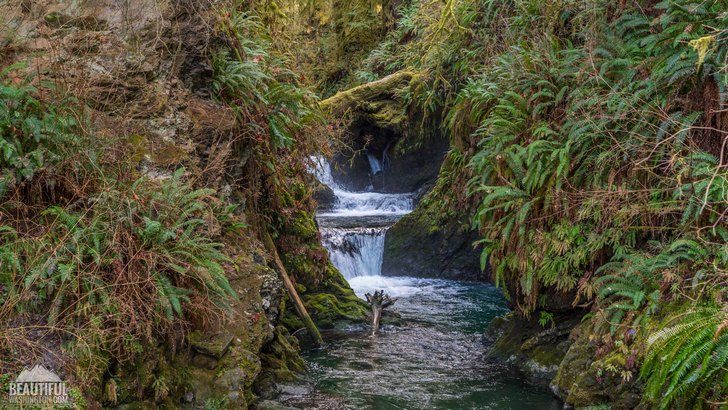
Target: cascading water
(353, 231)
(374, 164)
(434, 359)
(356, 251)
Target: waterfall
(356, 244)
(357, 251)
(374, 164)
(370, 203)
(322, 171)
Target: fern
(686, 360)
(32, 134)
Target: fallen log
(345, 100)
(378, 301)
(292, 293)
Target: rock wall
(424, 243)
(414, 170)
(563, 356)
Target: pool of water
(433, 360)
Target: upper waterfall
(350, 203)
(355, 244)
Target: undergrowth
(588, 143)
(96, 264)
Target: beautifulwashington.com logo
(36, 386)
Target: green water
(433, 361)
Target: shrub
(135, 263)
(686, 360)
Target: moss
(523, 343)
(169, 155)
(291, 321)
(302, 225)
(133, 379)
(327, 309)
(138, 147)
(432, 242)
(281, 359)
(386, 114)
(161, 153)
(582, 381)
(212, 345)
(324, 291)
(548, 357)
(351, 98)
(300, 288)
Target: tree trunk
(377, 90)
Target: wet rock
(582, 381)
(271, 292)
(401, 172)
(527, 346)
(280, 362)
(324, 196)
(422, 243)
(204, 361)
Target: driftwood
(378, 301)
(297, 303)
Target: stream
(434, 359)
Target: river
(434, 359)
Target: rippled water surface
(434, 360)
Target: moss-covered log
(379, 90)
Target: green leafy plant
(135, 262)
(545, 318)
(33, 134)
(256, 83)
(587, 133)
(686, 359)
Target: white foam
(395, 286)
(358, 252)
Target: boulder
(421, 244)
(536, 351)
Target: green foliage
(549, 129)
(545, 318)
(583, 129)
(135, 258)
(686, 359)
(253, 80)
(33, 134)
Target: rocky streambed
(434, 357)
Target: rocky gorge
(197, 196)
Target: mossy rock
(335, 304)
(582, 382)
(432, 246)
(524, 344)
(328, 310)
(215, 345)
(280, 362)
